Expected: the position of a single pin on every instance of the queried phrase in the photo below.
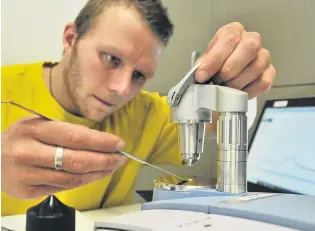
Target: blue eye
(137, 75)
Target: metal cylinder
(232, 145)
(191, 139)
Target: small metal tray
(172, 183)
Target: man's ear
(69, 37)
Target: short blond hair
(152, 11)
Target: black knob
(50, 215)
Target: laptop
(281, 156)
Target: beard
(73, 82)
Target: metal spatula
(124, 153)
(151, 165)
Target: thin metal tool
(151, 165)
(124, 153)
(22, 107)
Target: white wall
(32, 30)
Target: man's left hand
(239, 59)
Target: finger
(76, 136)
(252, 71)
(214, 59)
(245, 53)
(211, 44)
(262, 84)
(74, 161)
(61, 179)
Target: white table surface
(101, 214)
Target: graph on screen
(282, 153)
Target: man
(96, 107)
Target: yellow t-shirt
(144, 123)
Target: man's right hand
(28, 157)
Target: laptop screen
(282, 152)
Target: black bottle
(50, 215)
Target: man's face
(111, 63)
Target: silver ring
(58, 158)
